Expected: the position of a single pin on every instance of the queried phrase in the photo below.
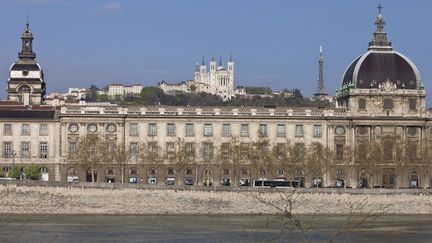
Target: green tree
(32, 172)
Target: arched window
(170, 171)
(110, 171)
(133, 171)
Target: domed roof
(17, 66)
(381, 64)
(376, 67)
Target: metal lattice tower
(320, 93)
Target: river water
(121, 228)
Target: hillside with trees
(257, 97)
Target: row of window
(25, 149)
(92, 128)
(227, 151)
(226, 130)
(25, 129)
(388, 104)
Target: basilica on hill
(378, 135)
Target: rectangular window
(189, 129)
(317, 131)
(171, 131)
(339, 151)
(72, 147)
(244, 151)
(133, 151)
(25, 129)
(152, 129)
(208, 130)
(388, 150)
(7, 149)
(244, 130)
(281, 151)
(225, 151)
(362, 151)
(25, 150)
(207, 151)
(190, 150)
(152, 148)
(7, 129)
(412, 104)
(170, 150)
(43, 129)
(281, 130)
(411, 151)
(133, 129)
(43, 150)
(388, 104)
(226, 130)
(299, 131)
(262, 130)
(362, 104)
(299, 151)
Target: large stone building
(378, 137)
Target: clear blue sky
(274, 42)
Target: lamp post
(13, 163)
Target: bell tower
(26, 80)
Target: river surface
(121, 228)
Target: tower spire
(321, 93)
(202, 63)
(220, 61)
(28, 23)
(380, 41)
(26, 54)
(231, 59)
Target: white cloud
(112, 8)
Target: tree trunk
(93, 175)
(122, 173)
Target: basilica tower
(26, 80)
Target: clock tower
(26, 80)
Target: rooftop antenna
(27, 24)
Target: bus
(276, 183)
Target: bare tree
(262, 157)
(120, 156)
(314, 162)
(289, 202)
(90, 152)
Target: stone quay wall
(37, 199)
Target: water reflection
(109, 228)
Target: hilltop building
(218, 80)
(123, 90)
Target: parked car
(189, 181)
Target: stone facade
(381, 107)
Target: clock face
(25, 72)
(340, 130)
(73, 127)
(92, 128)
(111, 128)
